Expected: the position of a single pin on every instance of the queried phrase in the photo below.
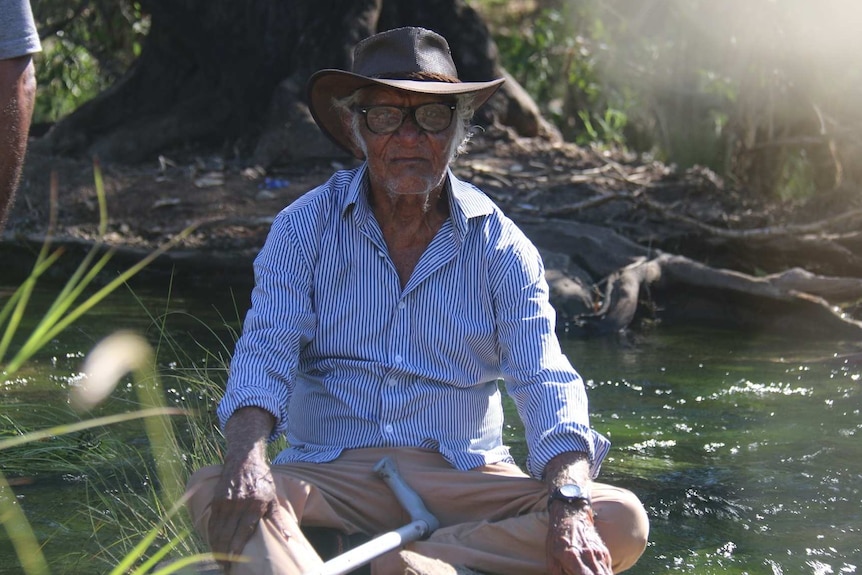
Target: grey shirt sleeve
(18, 35)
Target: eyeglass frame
(405, 111)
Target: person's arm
(573, 545)
(552, 403)
(17, 95)
(255, 407)
(245, 493)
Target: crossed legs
(493, 519)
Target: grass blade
(20, 533)
(67, 428)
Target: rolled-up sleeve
(548, 392)
(280, 322)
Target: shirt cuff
(591, 442)
(254, 397)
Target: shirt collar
(465, 200)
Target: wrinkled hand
(573, 544)
(245, 495)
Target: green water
(745, 450)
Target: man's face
(410, 160)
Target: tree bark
(601, 283)
(231, 75)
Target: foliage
(65, 310)
(166, 502)
(763, 92)
(117, 355)
(549, 53)
(87, 46)
(67, 76)
(134, 495)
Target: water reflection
(745, 450)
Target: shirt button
(391, 382)
(398, 359)
(401, 305)
(381, 255)
(388, 429)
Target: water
(745, 449)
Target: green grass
(147, 526)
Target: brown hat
(410, 59)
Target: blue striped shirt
(345, 358)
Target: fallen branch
(595, 201)
(819, 227)
(686, 284)
(810, 231)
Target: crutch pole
(422, 524)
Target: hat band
(419, 76)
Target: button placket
(391, 392)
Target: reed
(163, 532)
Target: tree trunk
(231, 75)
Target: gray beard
(426, 191)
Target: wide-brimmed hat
(411, 59)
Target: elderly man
(388, 304)
(18, 41)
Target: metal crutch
(422, 524)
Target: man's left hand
(574, 547)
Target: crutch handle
(422, 524)
(408, 498)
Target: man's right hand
(245, 493)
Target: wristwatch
(570, 494)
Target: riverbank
(624, 240)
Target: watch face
(572, 491)
(570, 494)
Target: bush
(763, 92)
(87, 46)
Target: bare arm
(17, 95)
(246, 491)
(569, 467)
(573, 544)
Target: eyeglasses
(433, 118)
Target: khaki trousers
(493, 519)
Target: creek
(745, 448)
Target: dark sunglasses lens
(434, 117)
